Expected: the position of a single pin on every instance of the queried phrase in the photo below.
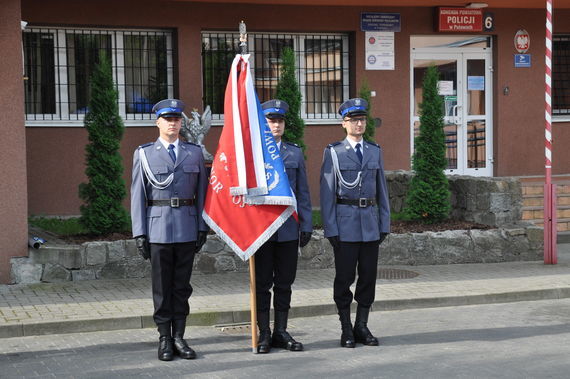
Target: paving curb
(563, 237)
(225, 317)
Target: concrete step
(563, 237)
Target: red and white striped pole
(549, 188)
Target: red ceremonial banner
(230, 207)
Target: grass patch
(398, 216)
(59, 226)
(317, 220)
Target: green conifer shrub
(428, 199)
(364, 93)
(288, 91)
(103, 211)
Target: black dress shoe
(361, 332)
(182, 349)
(347, 339)
(284, 340)
(165, 349)
(264, 342)
(362, 335)
(280, 337)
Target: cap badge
(173, 104)
(278, 104)
(357, 102)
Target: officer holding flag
(276, 260)
(356, 218)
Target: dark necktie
(173, 156)
(358, 152)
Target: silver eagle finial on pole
(242, 38)
(195, 128)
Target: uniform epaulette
(292, 144)
(191, 143)
(374, 144)
(146, 144)
(334, 144)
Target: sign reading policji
(460, 20)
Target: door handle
(456, 117)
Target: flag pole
(252, 296)
(253, 304)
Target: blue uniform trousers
(171, 265)
(349, 258)
(275, 266)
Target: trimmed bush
(103, 211)
(288, 90)
(428, 199)
(364, 93)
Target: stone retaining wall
(488, 201)
(119, 259)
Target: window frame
(564, 117)
(300, 71)
(62, 116)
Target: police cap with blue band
(353, 107)
(275, 108)
(169, 108)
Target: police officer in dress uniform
(276, 260)
(356, 217)
(167, 198)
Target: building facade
(494, 99)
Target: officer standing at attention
(167, 198)
(276, 260)
(356, 218)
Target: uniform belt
(173, 202)
(361, 202)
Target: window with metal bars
(561, 75)
(58, 63)
(322, 69)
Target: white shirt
(166, 144)
(353, 144)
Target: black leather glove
(335, 241)
(304, 238)
(143, 246)
(202, 237)
(382, 237)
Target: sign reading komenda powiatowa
(460, 20)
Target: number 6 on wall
(488, 21)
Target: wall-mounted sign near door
(460, 20)
(464, 20)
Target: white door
(466, 79)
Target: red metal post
(549, 188)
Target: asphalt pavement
(511, 340)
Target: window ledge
(561, 118)
(327, 121)
(79, 124)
